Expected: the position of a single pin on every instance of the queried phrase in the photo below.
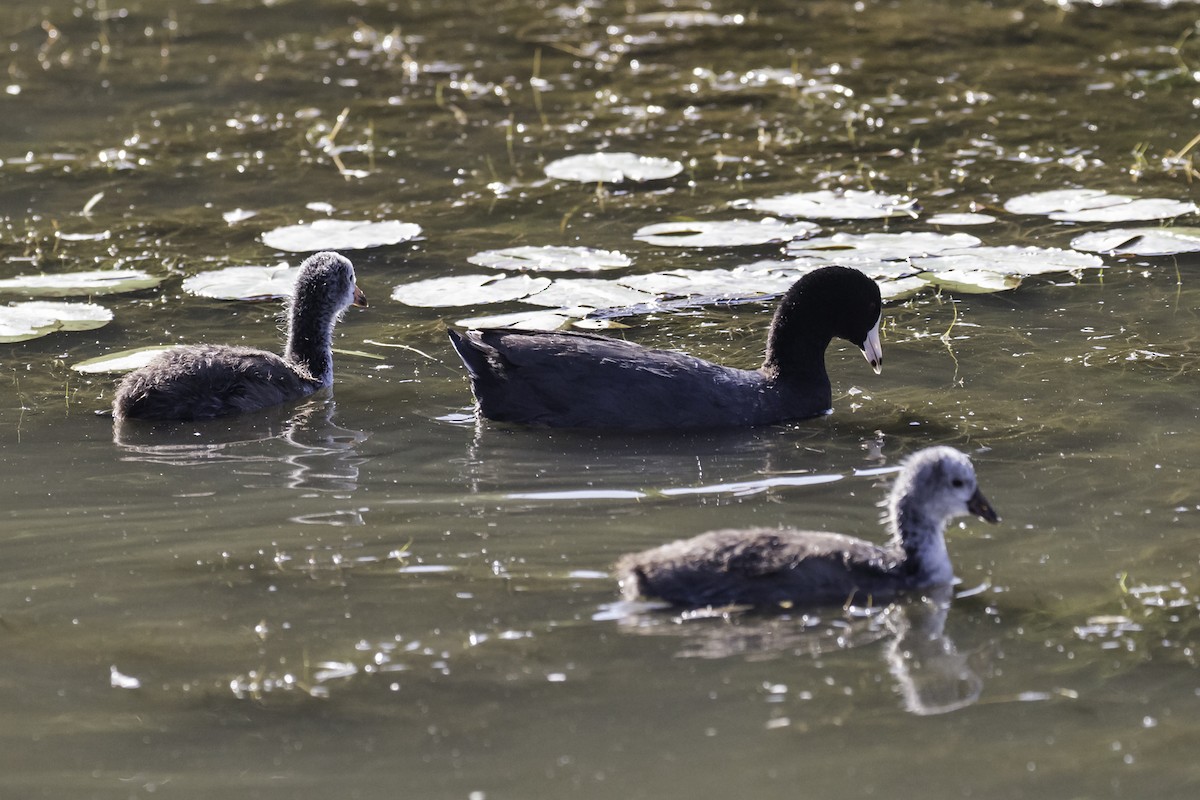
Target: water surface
(366, 596)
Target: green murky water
(367, 597)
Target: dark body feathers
(583, 380)
(764, 567)
(206, 381)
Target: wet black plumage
(584, 380)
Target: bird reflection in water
(931, 675)
(313, 451)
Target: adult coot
(206, 381)
(766, 567)
(583, 380)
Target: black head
(828, 302)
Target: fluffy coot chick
(206, 381)
(583, 380)
(765, 567)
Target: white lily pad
(590, 292)
(737, 282)
(97, 236)
(540, 320)
(95, 282)
(468, 290)
(340, 234)
(972, 281)
(23, 321)
(552, 259)
(244, 283)
(612, 168)
(1011, 260)
(1093, 205)
(123, 361)
(826, 204)
(726, 233)
(1140, 241)
(901, 288)
(851, 247)
(960, 219)
(238, 215)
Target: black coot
(584, 380)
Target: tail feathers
(472, 353)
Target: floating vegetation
(552, 259)
(96, 282)
(902, 264)
(840, 204)
(1140, 241)
(612, 168)
(739, 282)
(963, 219)
(122, 361)
(238, 215)
(542, 320)
(20, 322)
(1011, 260)
(850, 248)
(100, 236)
(340, 234)
(996, 269)
(1095, 205)
(468, 290)
(727, 233)
(244, 283)
(589, 292)
(971, 281)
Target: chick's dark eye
(957, 483)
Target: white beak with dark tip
(872, 349)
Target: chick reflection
(314, 452)
(932, 677)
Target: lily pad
(468, 290)
(589, 292)
(851, 247)
(957, 219)
(1012, 260)
(972, 281)
(901, 288)
(612, 168)
(1094, 205)
(238, 215)
(97, 236)
(123, 361)
(827, 204)
(20, 322)
(1140, 241)
(540, 320)
(552, 259)
(728, 233)
(737, 282)
(244, 283)
(340, 234)
(113, 281)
